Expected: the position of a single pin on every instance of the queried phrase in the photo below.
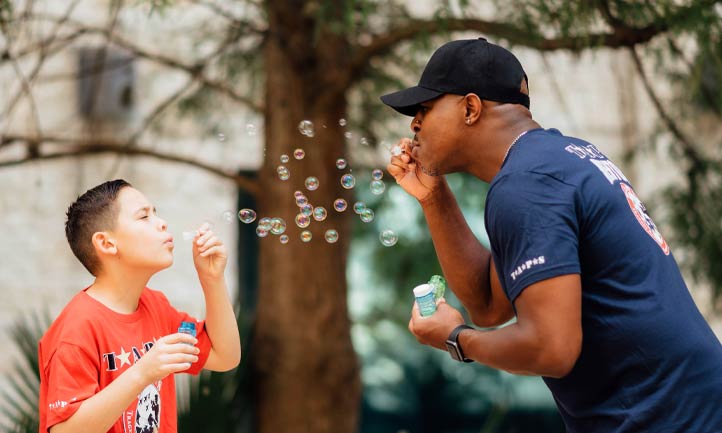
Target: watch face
(453, 349)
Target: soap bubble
(342, 122)
(377, 187)
(284, 158)
(367, 215)
(306, 209)
(228, 216)
(340, 205)
(247, 215)
(331, 236)
(283, 172)
(348, 135)
(251, 129)
(312, 183)
(299, 154)
(364, 141)
(261, 232)
(221, 136)
(302, 220)
(359, 207)
(265, 223)
(377, 174)
(341, 163)
(306, 236)
(396, 151)
(306, 128)
(388, 238)
(319, 213)
(283, 239)
(348, 181)
(301, 200)
(278, 226)
(298, 194)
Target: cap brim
(407, 101)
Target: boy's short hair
(92, 212)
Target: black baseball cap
(465, 66)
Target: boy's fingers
(178, 338)
(213, 250)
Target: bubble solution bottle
(187, 328)
(424, 294)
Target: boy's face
(141, 235)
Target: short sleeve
(533, 228)
(72, 376)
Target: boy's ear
(104, 243)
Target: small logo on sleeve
(527, 265)
(640, 212)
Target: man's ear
(104, 244)
(472, 108)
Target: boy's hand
(170, 354)
(209, 254)
(408, 173)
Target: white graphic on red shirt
(145, 417)
(640, 212)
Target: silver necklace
(512, 145)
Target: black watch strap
(453, 346)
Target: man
(602, 311)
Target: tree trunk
(305, 369)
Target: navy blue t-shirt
(649, 361)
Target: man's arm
(546, 340)
(466, 263)
(210, 257)
(170, 354)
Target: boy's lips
(169, 241)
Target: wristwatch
(453, 346)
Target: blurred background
(195, 102)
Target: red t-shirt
(89, 345)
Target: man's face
(141, 235)
(436, 127)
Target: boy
(107, 362)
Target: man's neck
(118, 291)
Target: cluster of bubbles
(307, 212)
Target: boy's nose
(163, 224)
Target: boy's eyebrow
(146, 209)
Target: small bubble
(283, 172)
(302, 220)
(306, 209)
(312, 183)
(388, 238)
(278, 226)
(284, 158)
(348, 181)
(261, 232)
(377, 174)
(364, 141)
(221, 136)
(367, 215)
(305, 127)
(299, 154)
(247, 215)
(359, 207)
(283, 239)
(298, 194)
(228, 216)
(319, 213)
(306, 236)
(265, 223)
(341, 163)
(331, 236)
(251, 129)
(396, 151)
(342, 122)
(301, 200)
(340, 205)
(348, 135)
(377, 187)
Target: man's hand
(408, 174)
(435, 329)
(170, 354)
(209, 254)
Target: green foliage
(19, 404)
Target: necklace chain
(512, 145)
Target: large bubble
(377, 174)
(278, 226)
(388, 238)
(341, 163)
(306, 236)
(247, 215)
(377, 187)
(312, 183)
(299, 154)
(305, 127)
(331, 236)
(367, 215)
(340, 205)
(319, 213)
(348, 181)
(283, 172)
(359, 207)
(302, 220)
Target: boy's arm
(210, 257)
(170, 354)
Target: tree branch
(95, 147)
